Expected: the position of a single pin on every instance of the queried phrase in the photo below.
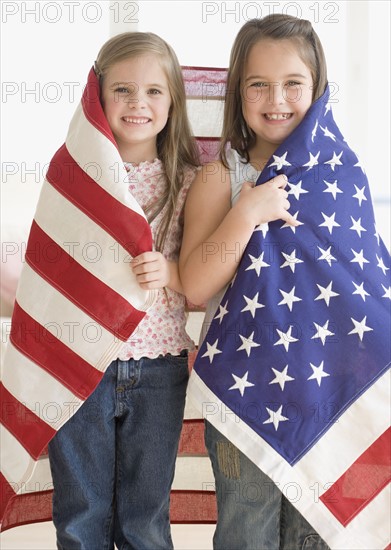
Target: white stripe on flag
(63, 319)
(193, 474)
(31, 385)
(12, 469)
(375, 522)
(41, 480)
(206, 117)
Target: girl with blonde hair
(113, 462)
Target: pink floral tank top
(163, 329)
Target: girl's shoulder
(212, 169)
(212, 183)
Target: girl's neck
(137, 154)
(259, 156)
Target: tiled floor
(41, 536)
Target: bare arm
(215, 235)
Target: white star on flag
(357, 226)
(332, 187)
(326, 255)
(360, 194)
(329, 222)
(286, 338)
(387, 292)
(377, 235)
(359, 165)
(335, 161)
(257, 263)
(380, 264)
(327, 133)
(241, 383)
(326, 293)
(360, 327)
(275, 417)
(279, 162)
(322, 332)
(222, 312)
(359, 258)
(318, 373)
(313, 161)
(291, 260)
(281, 377)
(360, 290)
(293, 227)
(264, 227)
(314, 131)
(248, 344)
(211, 351)
(296, 190)
(289, 298)
(252, 304)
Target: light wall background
(48, 48)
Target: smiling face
(276, 93)
(136, 101)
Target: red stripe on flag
(31, 432)
(208, 148)
(28, 508)
(204, 82)
(7, 492)
(43, 348)
(365, 478)
(90, 294)
(116, 219)
(92, 107)
(192, 439)
(185, 507)
(193, 507)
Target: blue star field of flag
(304, 328)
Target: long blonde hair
(176, 147)
(276, 27)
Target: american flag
(77, 300)
(294, 368)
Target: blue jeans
(113, 462)
(253, 514)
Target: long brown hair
(276, 27)
(176, 147)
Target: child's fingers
(279, 181)
(147, 277)
(146, 262)
(248, 185)
(142, 258)
(146, 268)
(289, 219)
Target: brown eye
(258, 84)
